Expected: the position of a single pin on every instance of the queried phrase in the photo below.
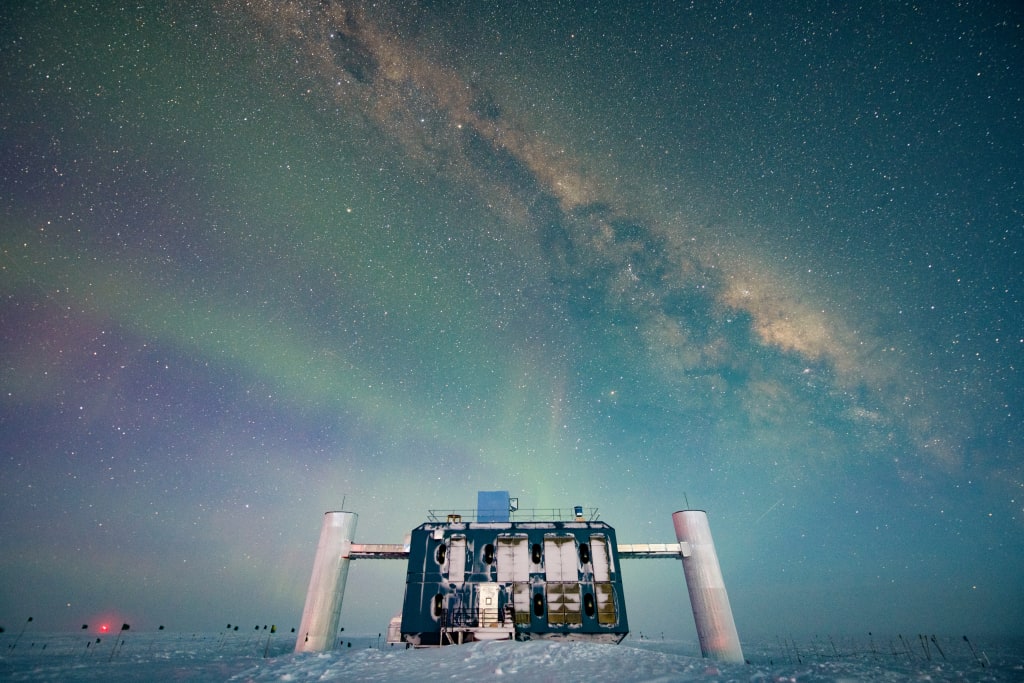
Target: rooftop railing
(576, 513)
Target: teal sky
(266, 259)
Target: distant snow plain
(259, 656)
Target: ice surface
(235, 656)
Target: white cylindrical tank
(712, 614)
(322, 612)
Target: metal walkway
(627, 551)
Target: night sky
(263, 259)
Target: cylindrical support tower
(322, 612)
(712, 614)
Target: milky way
(699, 325)
(262, 259)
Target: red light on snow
(104, 628)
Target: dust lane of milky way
(678, 300)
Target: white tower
(322, 612)
(712, 614)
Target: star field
(259, 260)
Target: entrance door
(487, 604)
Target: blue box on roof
(492, 506)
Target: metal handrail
(465, 617)
(521, 515)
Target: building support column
(712, 614)
(322, 613)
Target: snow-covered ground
(260, 656)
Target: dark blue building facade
(491, 580)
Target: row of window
(563, 604)
(512, 550)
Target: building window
(606, 614)
(457, 559)
(588, 604)
(560, 558)
(489, 553)
(563, 603)
(513, 559)
(599, 553)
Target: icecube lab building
(481, 575)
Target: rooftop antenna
(687, 499)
